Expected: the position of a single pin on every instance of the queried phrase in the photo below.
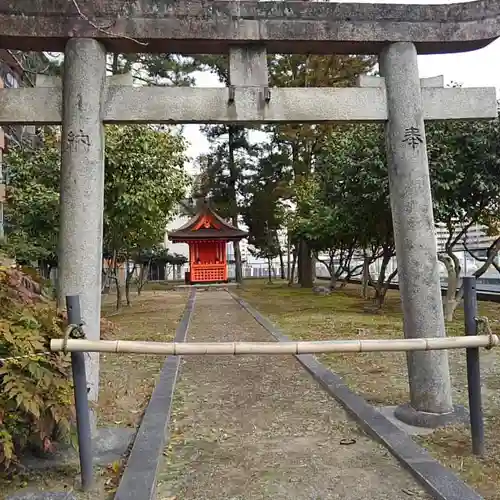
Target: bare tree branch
(104, 29)
(491, 253)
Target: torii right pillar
(416, 250)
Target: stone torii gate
(247, 30)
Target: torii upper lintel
(290, 26)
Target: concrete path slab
(253, 427)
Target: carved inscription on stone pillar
(413, 137)
(77, 142)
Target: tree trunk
(143, 276)
(379, 298)
(233, 178)
(333, 279)
(288, 253)
(140, 281)
(161, 272)
(450, 305)
(300, 266)
(383, 287)
(238, 271)
(269, 271)
(366, 277)
(330, 268)
(450, 301)
(313, 267)
(114, 66)
(53, 277)
(305, 265)
(128, 280)
(105, 281)
(168, 268)
(115, 270)
(294, 266)
(118, 293)
(282, 263)
(42, 268)
(382, 284)
(49, 272)
(127, 292)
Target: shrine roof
(206, 224)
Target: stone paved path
(260, 428)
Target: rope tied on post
(72, 332)
(483, 325)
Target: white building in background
(179, 248)
(245, 254)
(475, 238)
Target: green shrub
(35, 391)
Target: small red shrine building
(207, 235)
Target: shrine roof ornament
(206, 225)
(211, 27)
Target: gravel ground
(254, 427)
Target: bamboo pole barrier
(195, 348)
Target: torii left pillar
(82, 189)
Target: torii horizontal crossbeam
(211, 27)
(248, 105)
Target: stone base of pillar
(93, 422)
(407, 414)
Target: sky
(479, 68)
